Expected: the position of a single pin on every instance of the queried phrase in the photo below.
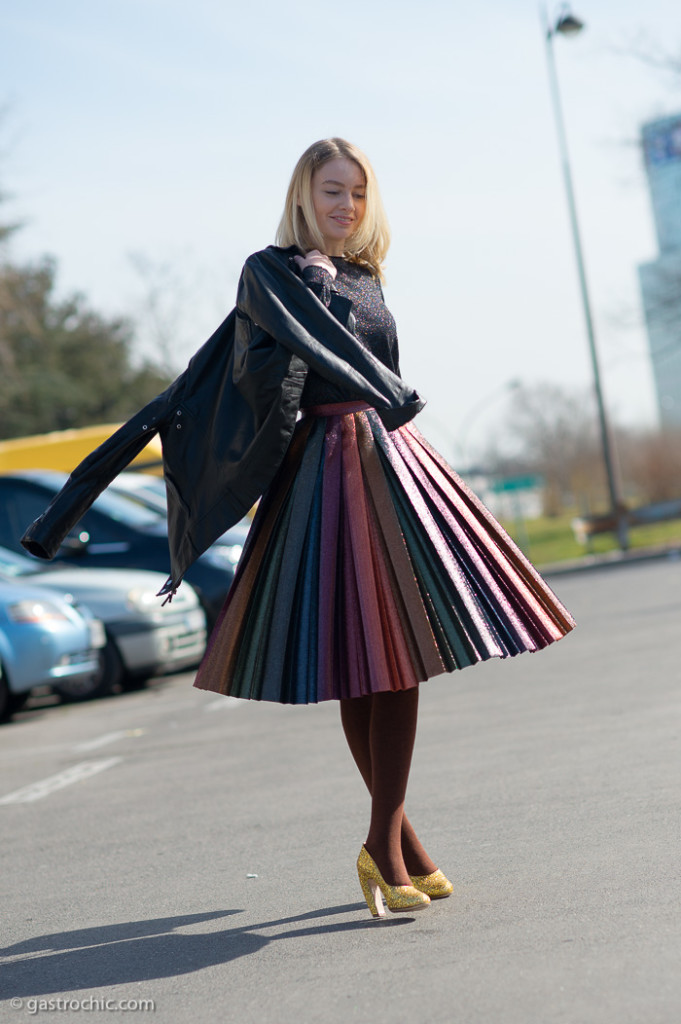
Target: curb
(612, 560)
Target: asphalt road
(199, 852)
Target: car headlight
(35, 611)
(142, 600)
(223, 556)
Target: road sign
(516, 483)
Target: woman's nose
(347, 201)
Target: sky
(162, 134)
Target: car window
(123, 510)
(5, 524)
(22, 501)
(143, 495)
(20, 504)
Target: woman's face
(339, 201)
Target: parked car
(144, 637)
(115, 533)
(44, 639)
(150, 491)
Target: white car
(144, 636)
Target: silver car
(44, 639)
(144, 637)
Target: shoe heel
(372, 894)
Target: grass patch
(550, 539)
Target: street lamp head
(568, 25)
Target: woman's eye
(329, 192)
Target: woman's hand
(315, 258)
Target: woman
(370, 566)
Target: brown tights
(380, 730)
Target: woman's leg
(380, 730)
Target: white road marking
(108, 737)
(223, 702)
(77, 772)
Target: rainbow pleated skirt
(371, 566)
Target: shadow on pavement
(135, 951)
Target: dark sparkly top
(374, 325)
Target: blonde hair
(298, 226)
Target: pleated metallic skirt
(371, 566)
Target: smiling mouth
(342, 220)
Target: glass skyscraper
(661, 278)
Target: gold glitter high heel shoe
(436, 885)
(398, 898)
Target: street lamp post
(566, 24)
(459, 441)
(474, 414)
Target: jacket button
(179, 412)
(144, 426)
(179, 426)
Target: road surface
(197, 853)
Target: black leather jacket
(226, 422)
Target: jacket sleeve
(319, 281)
(274, 298)
(45, 535)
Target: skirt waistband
(335, 409)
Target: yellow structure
(63, 449)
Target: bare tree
(554, 434)
(661, 58)
(651, 464)
(159, 314)
(179, 305)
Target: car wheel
(17, 701)
(5, 696)
(112, 665)
(130, 684)
(9, 702)
(101, 683)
